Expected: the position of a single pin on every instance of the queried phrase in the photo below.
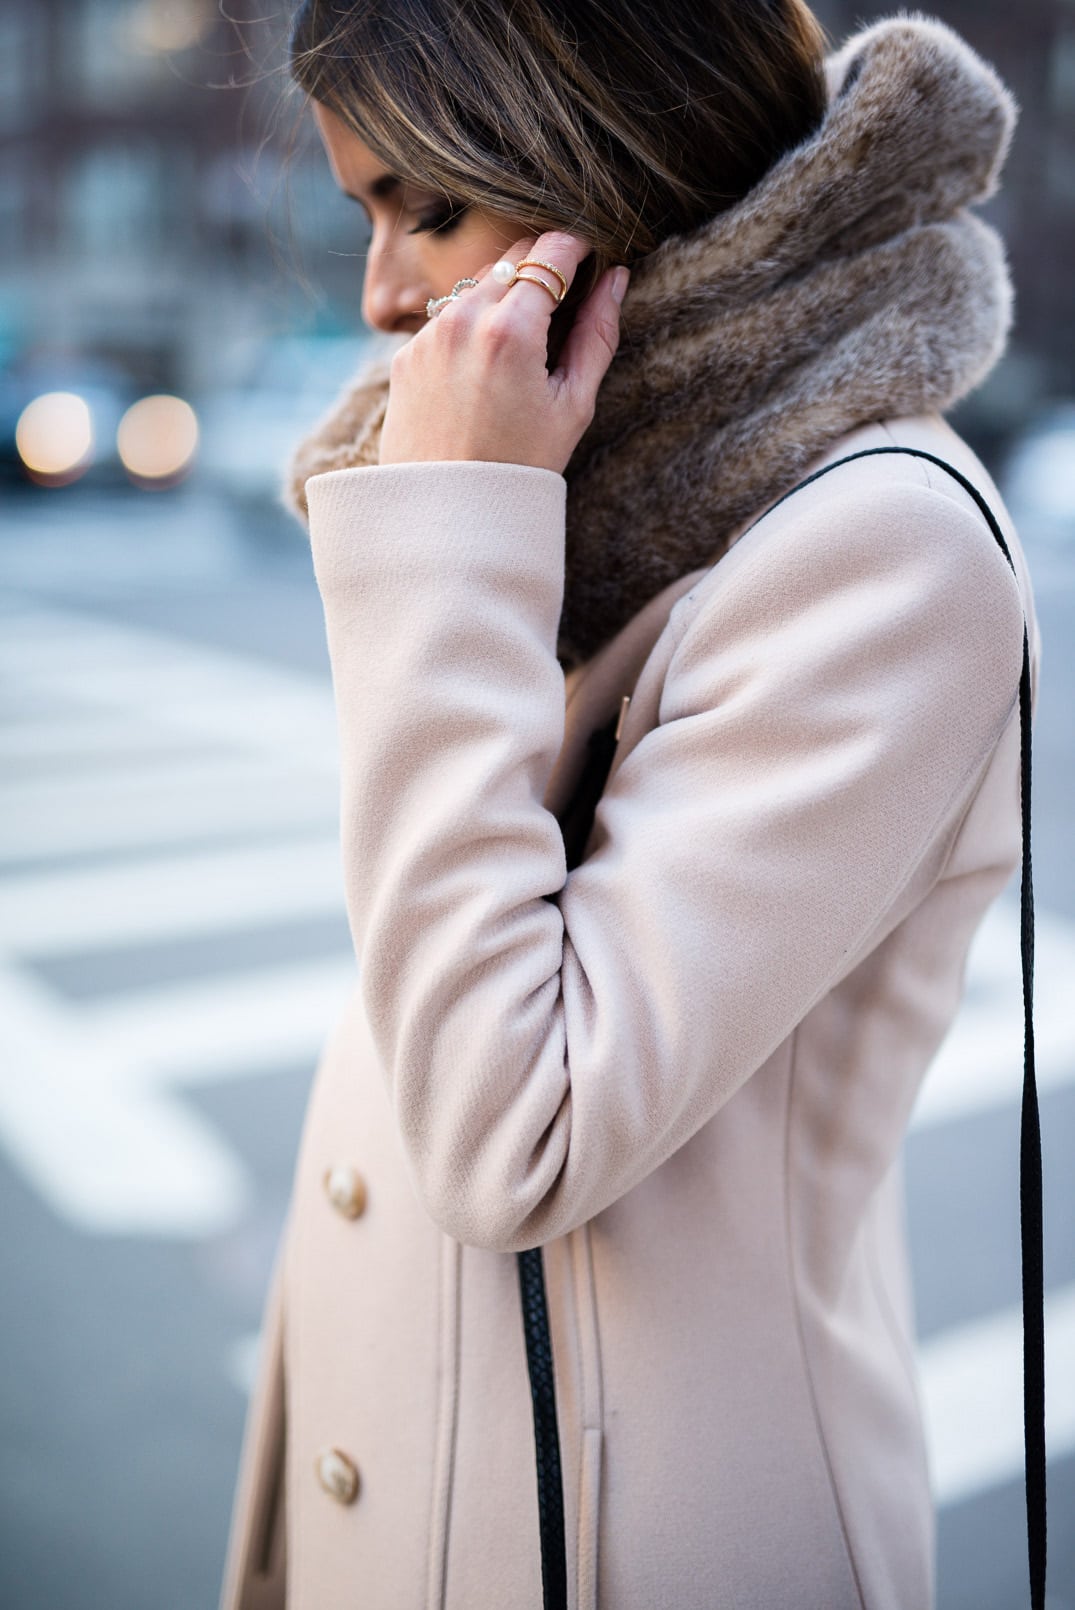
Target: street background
(173, 943)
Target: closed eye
(439, 222)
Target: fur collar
(850, 284)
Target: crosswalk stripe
(244, 1356)
(980, 1065)
(172, 897)
(222, 1028)
(101, 1147)
(972, 1387)
(89, 1103)
(191, 689)
(259, 719)
(178, 804)
(96, 741)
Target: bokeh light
(156, 439)
(54, 437)
(167, 26)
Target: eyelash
(438, 223)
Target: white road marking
(87, 1104)
(243, 1361)
(980, 1065)
(177, 804)
(257, 711)
(277, 727)
(184, 687)
(90, 1109)
(972, 1386)
(222, 1028)
(172, 897)
(107, 1151)
(68, 744)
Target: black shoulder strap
(531, 1270)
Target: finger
(489, 290)
(557, 247)
(474, 297)
(591, 345)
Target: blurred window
(114, 200)
(13, 185)
(104, 56)
(1062, 69)
(307, 201)
(19, 63)
(117, 49)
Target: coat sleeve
(547, 1040)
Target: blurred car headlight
(54, 437)
(156, 439)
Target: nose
(393, 298)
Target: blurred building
(139, 184)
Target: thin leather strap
(576, 824)
(546, 1436)
(576, 820)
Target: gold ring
(534, 280)
(536, 262)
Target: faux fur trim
(850, 284)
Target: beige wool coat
(684, 1069)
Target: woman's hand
(474, 384)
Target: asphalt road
(172, 946)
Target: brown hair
(624, 121)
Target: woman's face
(410, 258)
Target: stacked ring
(506, 273)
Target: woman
(672, 1040)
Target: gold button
(337, 1475)
(346, 1190)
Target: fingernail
(619, 283)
